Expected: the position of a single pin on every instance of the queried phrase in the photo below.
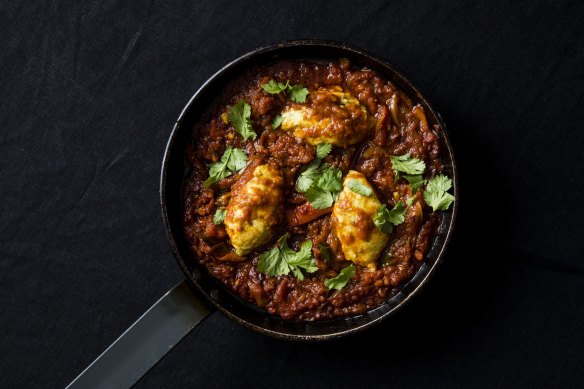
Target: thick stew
(313, 190)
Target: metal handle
(153, 335)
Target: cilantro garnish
(233, 160)
(358, 187)
(385, 219)
(341, 280)
(321, 183)
(436, 194)
(281, 259)
(413, 169)
(415, 181)
(297, 93)
(219, 216)
(274, 87)
(408, 165)
(323, 149)
(277, 121)
(240, 116)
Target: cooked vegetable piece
(352, 218)
(253, 209)
(349, 125)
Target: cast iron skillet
(182, 308)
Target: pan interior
(172, 205)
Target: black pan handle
(153, 335)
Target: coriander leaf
(217, 171)
(330, 179)
(237, 160)
(318, 198)
(274, 87)
(385, 219)
(381, 221)
(323, 149)
(233, 160)
(358, 187)
(277, 121)
(321, 184)
(398, 214)
(298, 93)
(240, 116)
(281, 259)
(301, 259)
(435, 194)
(308, 176)
(325, 251)
(415, 181)
(439, 183)
(340, 280)
(272, 262)
(407, 164)
(219, 216)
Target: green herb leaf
(273, 262)
(330, 179)
(233, 160)
(302, 259)
(323, 149)
(240, 116)
(274, 87)
(407, 164)
(281, 259)
(385, 219)
(341, 280)
(219, 216)
(298, 93)
(325, 251)
(358, 187)
(277, 121)
(436, 194)
(415, 181)
(318, 198)
(321, 184)
(237, 160)
(308, 176)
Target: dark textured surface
(89, 92)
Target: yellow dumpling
(252, 211)
(352, 218)
(330, 116)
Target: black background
(89, 92)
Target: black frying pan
(188, 303)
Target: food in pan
(313, 190)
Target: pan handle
(153, 335)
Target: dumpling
(352, 220)
(331, 116)
(252, 211)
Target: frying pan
(193, 299)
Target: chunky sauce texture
(373, 122)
